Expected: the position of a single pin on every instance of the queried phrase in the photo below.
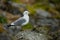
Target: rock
(4, 36)
(43, 13)
(52, 5)
(28, 35)
(51, 23)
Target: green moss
(28, 26)
(3, 19)
(42, 6)
(17, 1)
(31, 9)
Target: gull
(22, 20)
(16, 26)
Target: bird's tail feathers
(10, 25)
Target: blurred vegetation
(27, 27)
(17, 1)
(3, 19)
(31, 9)
(44, 4)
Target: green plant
(3, 19)
(28, 26)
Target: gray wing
(19, 22)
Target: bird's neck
(26, 16)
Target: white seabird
(22, 20)
(16, 26)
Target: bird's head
(26, 12)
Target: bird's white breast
(27, 19)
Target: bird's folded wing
(19, 21)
